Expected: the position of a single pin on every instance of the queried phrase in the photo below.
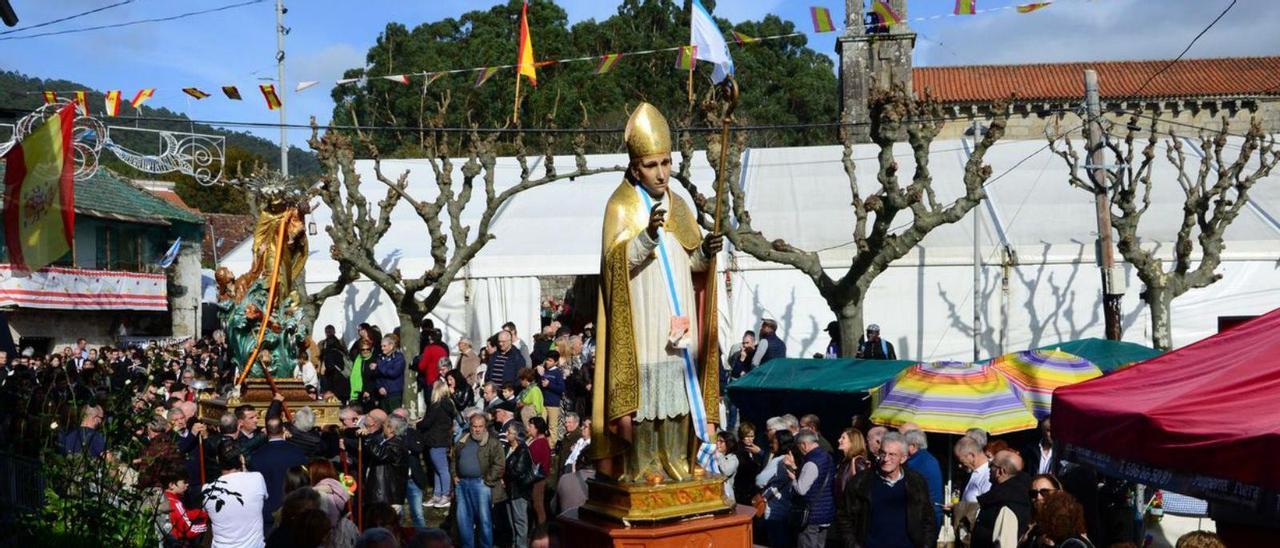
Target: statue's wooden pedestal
(721, 530)
(257, 392)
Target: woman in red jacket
(540, 450)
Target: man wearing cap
(833, 348)
(769, 345)
(872, 347)
(653, 376)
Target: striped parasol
(1038, 372)
(951, 397)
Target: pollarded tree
(876, 207)
(1214, 193)
(358, 226)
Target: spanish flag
(888, 17)
(112, 101)
(39, 194)
(82, 101)
(50, 97)
(1028, 8)
(195, 92)
(142, 96)
(269, 93)
(524, 52)
(608, 62)
(231, 92)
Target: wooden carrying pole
(730, 91)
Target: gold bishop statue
(653, 276)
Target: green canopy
(1109, 356)
(844, 376)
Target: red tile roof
(171, 197)
(1227, 77)
(231, 229)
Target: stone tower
(871, 57)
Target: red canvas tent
(1202, 420)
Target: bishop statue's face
(653, 173)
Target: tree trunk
(850, 317)
(409, 345)
(1159, 301)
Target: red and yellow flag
(741, 38)
(821, 19)
(524, 52)
(142, 96)
(231, 92)
(1028, 8)
(82, 101)
(269, 93)
(485, 74)
(39, 194)
(195, 92)
(50, 97)
(112, 101)
(888, 16)
(608, 62)
(966, 7)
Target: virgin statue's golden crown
(647, 132)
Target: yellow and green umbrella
(952, 397)
(1037, 373)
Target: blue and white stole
(697, 412)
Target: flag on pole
(821, 19)
(524, 51)
(304, 85)
(966, 7)
(195, 92)
(231, 92)
(608, 62)
(686, 59)
(82, 101)
(269, 93)
(39, 194)
(142, 96)
(171, 255)
(50, 97)
(1028, 8)
(484, 76)
(888, 16)
(112, 101)
(398, 78)
(705, 34)
(743, 39)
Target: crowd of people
(499, 448)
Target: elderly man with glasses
(1005, 510)
(889, 507)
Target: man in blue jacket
(923, 462)
(388, 375)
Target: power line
(135, 22)
(1186, 49)
(67, 18)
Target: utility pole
(977, 263)
(284, 134)
(1113, 281)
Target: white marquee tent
(1048, 292)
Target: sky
(238, 46)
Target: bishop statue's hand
(712, 244)
(656, 219)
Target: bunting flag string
(686, 57)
